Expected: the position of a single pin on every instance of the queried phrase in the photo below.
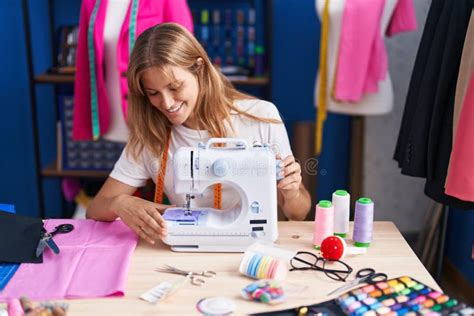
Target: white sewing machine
(251, 171)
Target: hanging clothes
(460, 180)
(91, 104)
(362, 58)
(425, 138)
(466, 68)
(386, 17)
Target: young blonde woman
(178, 98)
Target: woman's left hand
(289, 186)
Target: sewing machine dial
(221, 167)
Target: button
(258, 234)
(220, 167)
(255, 207)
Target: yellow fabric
(322, 106)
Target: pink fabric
(362, 60)
(150, 13)
(459, 181)
(93, 262)
(403, 18)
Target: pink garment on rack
(93, 262)
(150, 13)
(362, 60)
(460, 180)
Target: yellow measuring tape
(322, 106)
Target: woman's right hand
(142, 216)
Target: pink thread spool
(323, 222)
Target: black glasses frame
(335, 274)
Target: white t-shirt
(136, 173)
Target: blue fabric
(7, 271)
(9, 208)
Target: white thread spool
(341, 200)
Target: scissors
(366, 275)
(194, 276)
(47, 238)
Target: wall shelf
(69, 78)
(54, 78)
(52, 170)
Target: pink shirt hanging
(150, 13)
(362, 60)
(459, 181)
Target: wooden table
(388, 253)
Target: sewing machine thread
(341, 200)
(363, 222)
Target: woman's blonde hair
(170, 44)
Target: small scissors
(367, 275)
(47, 238)
(194, 276)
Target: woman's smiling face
(173, 91)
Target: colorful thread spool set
(259, 266)
(332, 218)
(264, 291)
(264, 260)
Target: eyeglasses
(336, 270)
